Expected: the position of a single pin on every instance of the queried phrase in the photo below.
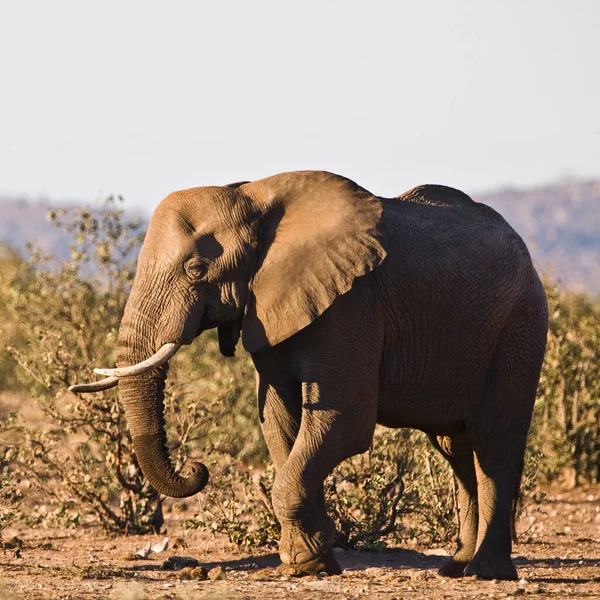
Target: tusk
(96, 386)
(155, 361)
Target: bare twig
(261, 490)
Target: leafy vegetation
(566, 423)
(74, 454)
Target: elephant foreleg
(326, 437)
(280, 412)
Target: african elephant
(419, 311)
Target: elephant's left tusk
(155, 361)
(96, 386)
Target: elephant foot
(326, 563)
(299, 544)
(453, 568)
(491, 568)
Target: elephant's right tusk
(155, 361)
(96, 386)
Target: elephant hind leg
(457, 450)
(498, 475)
(498, 432)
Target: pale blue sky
(142, 98)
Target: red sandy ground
(559, 557)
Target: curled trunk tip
(153, 459)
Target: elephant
(421, 311)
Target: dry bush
(566, 425)
(399, 490)
(78, 454)
(10, 494)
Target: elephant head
(263, 258)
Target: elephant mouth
(158, 359)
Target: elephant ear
(319, 234)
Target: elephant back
(436, 195)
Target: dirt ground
(558, 557)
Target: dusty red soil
(558, 557)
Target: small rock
(179, 543)
(436, 552)
(130, 556)
(418, 575)
(176, 563)
(143, 552)
(13, 543)
(197, 573)
(217, 574)
(160, 547)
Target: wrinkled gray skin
(420, 311)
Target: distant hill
(560, 223)
(25, 221)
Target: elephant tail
(517, 503)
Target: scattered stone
(179, 543)
(418, 575)
(436, 552)
(130, 556)
(12, 543)
(217, 574)
(265, 574)
(160, 547)
(177, 563)
(143, 552)
(195, 573)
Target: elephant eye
(196, 269)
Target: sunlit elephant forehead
(175, 244)
(196, 208)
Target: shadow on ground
(350, 560)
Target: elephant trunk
(142, 397)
